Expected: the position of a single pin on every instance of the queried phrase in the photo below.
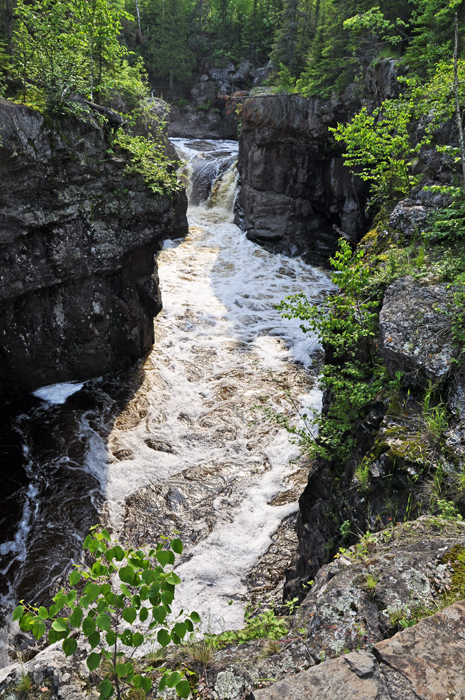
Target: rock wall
(296, 194)
(207, 115)
(78, 280)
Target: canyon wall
(78, 280)
(296, 194)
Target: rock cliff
(296, 195)
(78, 281)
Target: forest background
(319, 47)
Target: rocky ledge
(78, 282)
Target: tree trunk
(138, 17)
(457, 101)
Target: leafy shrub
(149, 160)
(103, 604)
(265, 625)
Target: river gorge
(179, 442)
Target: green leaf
(173, 679)
(92, 591)
(42, 612)
(180, 629)
(125, 590)
(137, 639)
(183, 689)
(38, 628)
(126, 574)
(165, 557)
(189, 625)
(18, 612)
(53, 610)
(76, 618)
(106, 688)
(121, 670)
(135, 600)
(60, 600)
(146, 684)
(60, 625)
(173, 579)
(119, 553)
(176, 546)
(105, 535)
(103, 622)
(71, 597)
(110, 638)
(110, 554)
(195, 616)
(94, 639)
(88, 626)
(69, 646)
(167, 597)
(74, 577)
(164, 637)
(143, 615)
(126, 638)
(129, 669)
(148, 576)
(129, 615)
(159, 614)
(93, 661)
(87, 542)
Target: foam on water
(56, 394)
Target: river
(181, 441)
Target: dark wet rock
(296, 195)
(78, 282)
(414, 331)
(211, 123)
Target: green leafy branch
(105, 601)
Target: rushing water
(178, 442)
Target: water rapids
(179, 442)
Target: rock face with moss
(296, 195)
(78, 281)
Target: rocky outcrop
(424, 662)
(207, 115)
(360, 597)
(414, 331)
(78, 282)
(196, 122)
(296, 194)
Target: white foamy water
(57, 393)
(221, 348)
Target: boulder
(360, 597)
(425, 661)
(413, 331)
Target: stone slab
(355, 676)
(431, 655)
